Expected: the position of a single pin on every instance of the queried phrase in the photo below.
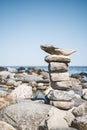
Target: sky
(27, 24)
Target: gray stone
(57, 58)
(63, 85)
(59, 76)
(65, 105)
(58, 67)
(21, 92)
(28, 115)
(58, 95)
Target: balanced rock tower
(58, 60)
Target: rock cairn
(59, 77)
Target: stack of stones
(60, 95)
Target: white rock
(22, 92)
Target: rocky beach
(36, 99)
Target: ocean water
(72, 69)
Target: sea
(71, 70)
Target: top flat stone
(56, 51)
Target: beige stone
(63, 85)
(59, 76)
(58, 67)
(65, 105)
(57, 58)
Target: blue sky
(26, 24)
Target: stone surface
(28, 115)
(59, 76)
(6, 126)
(65, 105)
(63, 85)
(58, 67)
(22, 92)
(58, 95)
(57, 58)
(58, 51)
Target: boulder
(58, 95)
(21, 92)
(59, 76)
(58, 67)
(57, 58)
(6, 126)
(29, 115)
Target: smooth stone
(58, 67)
(65, 105)
(58, 51)
(59, 76)
(57, 58)
(28, 115)
(63, 85)
(58, 95)
(22, 92)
